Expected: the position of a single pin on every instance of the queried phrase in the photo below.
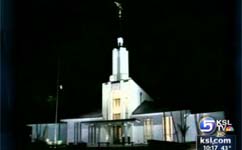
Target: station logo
(208, 126)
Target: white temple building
(128, 116)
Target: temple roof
(118, 121)
(92, 114)
(147, 107)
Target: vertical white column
(115, 62)
(106, 100)
(75, 132)
(80, 132)
(98, 134)
(104, 97)
(94, 134)
(89, 135)
(34, 135)
(124, 64)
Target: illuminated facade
(129, 114)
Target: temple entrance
(117, 134)
(108, 131)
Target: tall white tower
(121, 95)
(120, 62)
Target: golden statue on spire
(120, 8)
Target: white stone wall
(192, 131)
(158, 125)
(157, 132)
(84, 133)
(128, 92)
(70, 132)
(138, 134)
(134, 99)
(51, 131)
(106, 96)
(63, 130)
(103, 135)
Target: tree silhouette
(184, 128)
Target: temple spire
(120, 17)
(120, 56)
(120, 8)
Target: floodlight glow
(49, 142)
(138, 121)
(107, 137)
(59, 142)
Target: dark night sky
(180, 53)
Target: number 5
(207, 125)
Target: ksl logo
(208, 125)
(224, 125)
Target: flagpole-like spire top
(120, 32)
(120, 8)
